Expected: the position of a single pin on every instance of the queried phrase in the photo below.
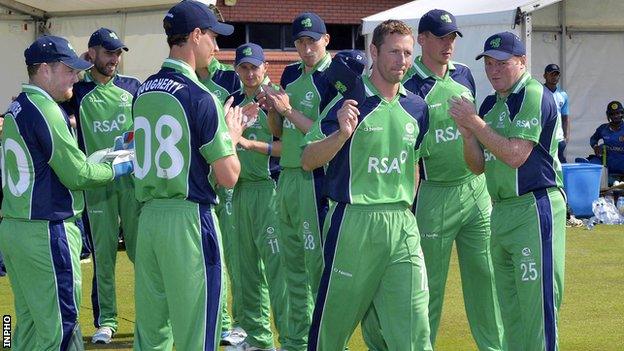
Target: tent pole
(562, 43)
(526, 29)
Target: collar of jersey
(246, 99)
(181, 67)
(424, 72)
(88, 77)
(517, 86)
(215, 65)
(320, 66)
(371, 90)
(33, 89)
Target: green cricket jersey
(222, 81)
(529, 113)
(309, 94)
(43, 170)
(103, 111)
(377, 163)
(179, 131)
(443, 149)
(254, 165)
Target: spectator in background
(551, 76)
(610, 152)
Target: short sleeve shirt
(377, 163)
(179, 131)
(442, 151)
(528, 113)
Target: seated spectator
(611, 151)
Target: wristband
(270, 148)
(286, 111)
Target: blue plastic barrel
(581, 182)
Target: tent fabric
(592, 47)
(65, 6)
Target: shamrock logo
(340, 87)
(446, 18)
(113, 35)
(495, 42)
(306, 22)
(247, 51)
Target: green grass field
(591, 316)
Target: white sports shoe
(102, 335)
(246, 347)
(233, 337)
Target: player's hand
(234, 121)
(463, 112)
(250, 114)
(348, 118)
(124, 141)
(598, 150)
(263, 99)
(123, 165)
(280, 101)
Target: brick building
(268, 23)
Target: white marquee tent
(138, 23)
(589, 54)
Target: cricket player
(181, 136)
(102, 106)
(43, 173)
(256, 238)
(453, 204)
(552, 73)
(611, 150)
(222, 81)
(514, 143)
(372, 149)
(301, 207)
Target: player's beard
(103, 69)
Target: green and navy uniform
(371, 186)
(301, 206)
(528, 216)
(43, 175)
(453, 205)
(256, 238)
(103, 112)
(179, 131)
(222, 81)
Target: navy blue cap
(308, 24)
(553, 67)
(615, 106)
(251, 53)
(49, 48)
(345, 74)
(439, 22)
(187, 15)
(502, 46)
(107, 39)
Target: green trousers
(301, 212)
(225, 213)
(460, 213)
(109, 208)
(43, 264)
(260, 273)
(178, 275)
(373, 260)
(528, 251)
